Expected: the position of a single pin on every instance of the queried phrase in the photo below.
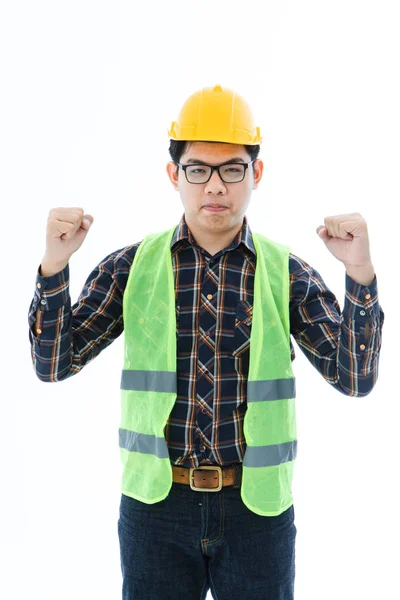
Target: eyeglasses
(228, 172)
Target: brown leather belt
(204, 478)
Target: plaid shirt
(214, 298)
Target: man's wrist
(48, 268)
(363, 275)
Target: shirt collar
(244, 235)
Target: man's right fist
(66, 231)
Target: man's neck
(213, 242)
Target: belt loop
(238, 475)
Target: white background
(88, 91)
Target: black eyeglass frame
(213, 168)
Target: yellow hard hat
(216, 114)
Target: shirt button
(203, 410)
(368, 296)
(43, 302)
(362, 312)
(362, 347)
(39, 285)
(209, 296)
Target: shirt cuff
(361, 302)
(51, 292)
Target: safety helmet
(216, 114)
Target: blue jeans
(193, 541)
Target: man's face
(233, 197)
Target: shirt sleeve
(343, 346)
(69, 337)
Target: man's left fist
(346, 237)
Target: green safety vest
(149, 379)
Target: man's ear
(172, 171)
(258, 168)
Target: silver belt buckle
(208, 468)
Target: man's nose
(215, 183)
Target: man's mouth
(214, 207)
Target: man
(208, 429)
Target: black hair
(178, 147)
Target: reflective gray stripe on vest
(141, 442)
(271, 389)
(269, 456)
(165, 381)
(150, 381)
(255, 456)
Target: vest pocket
(243, 320)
